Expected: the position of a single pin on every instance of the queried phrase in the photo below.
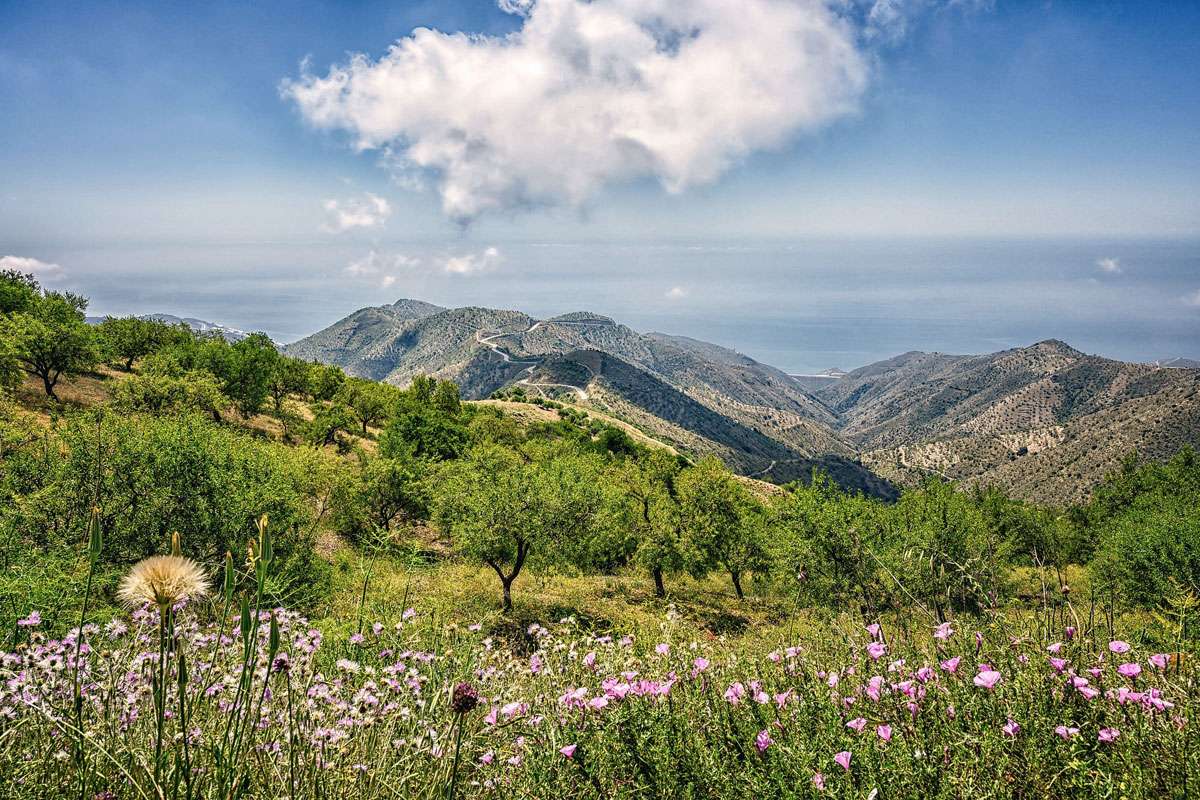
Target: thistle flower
(162, 581)
(465, 698)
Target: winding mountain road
(488, 340)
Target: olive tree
(506, 508)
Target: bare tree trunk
(737, 584)
(659, 589)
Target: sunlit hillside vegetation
(717, 641)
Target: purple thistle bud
(465, 698)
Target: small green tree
(504, 508)
(127, 339)
(288, 376)
(51, 338)
(722, 520)
(247, 372)
(368, 401)
(383, 494)
(645, 507)
(324, 382)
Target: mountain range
(1046, 421)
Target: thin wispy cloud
(42, 270)
(472, 263)
(587, 94)
(385, 269)
(1109, 266)
(368, 211)
(1192, 299)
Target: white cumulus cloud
(676, 293)
(368, 211)
(1109, 266)
(589, 93)
(41, 270)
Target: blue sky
(153, 139)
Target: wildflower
(943, 631)
(464, 699)
(1158, 661)
(1089, 692)
(775, 656)
(925, 674)
(377, 628)
(1069, 632)
(857, 724)
(535, 664)
(1130, 670)
(1108, 735)
(950, 712)
(987, 679)
(978, 641)
(876, 650)
(1059, 664)
(662, 648)
(1054, 648)
(488, 757)
(782, 698)
(874, 630)
(357, 638)
(589, 660)
(1012, 728)
(1117, 646)
(281, 664)
(763, 740)
(818, 781)
(1066, 732)
(568, 751)
(951, 664)
(32, 621)
(699, 665)
(491, 717)
(735, 693)
(162, 581)
(843, 759)
(884, 732)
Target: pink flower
(699, 665)
(763, 740)
(843, 759)
(535, 664)
(925, 674)
(662, 648)
(781, 698)
(876, 650)
(32, 621)
(1059, 664)
(1130, 670)
(873, 629)
(884, 732)
(1069, 632)
(589, 660)
(1108, 734)
(1065, 732)
(569, 750)
(735, 693)
(978, 641)
(1012, 728)
(1089, 692)
(951, 664)
(857, 724)
(1117, 646)
(597, 703)
(1158, 661)
(987, 679)
(818, 781)
(943, 631)
(488, 757)
(1054, 648)
(490, 719)
(775, 656)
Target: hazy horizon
(803, 306)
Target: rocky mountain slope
(1046, 421)
(698, 396)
